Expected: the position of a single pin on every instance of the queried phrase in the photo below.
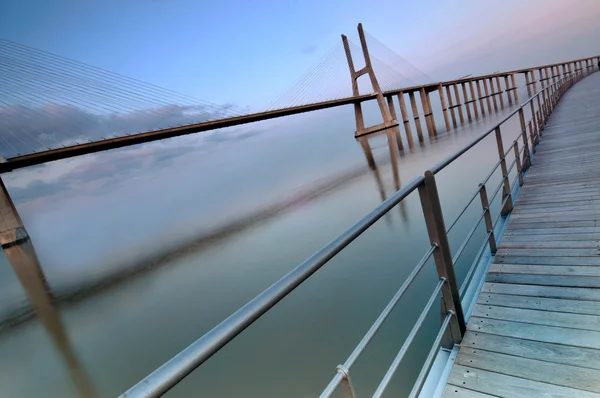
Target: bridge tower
(388, 120)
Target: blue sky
(247, 52)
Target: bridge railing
(453, 325)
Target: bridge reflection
(396, 149)
(25, 263)
(19, 251)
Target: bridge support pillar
(473, 99)
(388, 121)
(405, 120)
(444, 107)
(493, 94)
(499, 86)
(395, 130)
(466, 101)
(427, 112)
(481, 103)
(458, 104)
(487, 95)
(508, 90)
(451, 103)
(533, 81)
(415, 111)
(528, 83)
(515, 88)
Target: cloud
(103, 171)
(30, 128)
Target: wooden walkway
(535, 331)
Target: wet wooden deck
(535, 331)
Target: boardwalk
(535, 330)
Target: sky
(248, 52)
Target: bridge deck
(535, 330)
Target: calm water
(220, 217)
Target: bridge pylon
(388, 120)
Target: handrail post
(532, 137)
(346, 385)
(541, 121)
(544, 105)
(526, 154)
(436, 229)
(518, 162)
(506, 188)
(532, 107)
(489, 225)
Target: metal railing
(453, 325)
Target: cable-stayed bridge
(54, 108)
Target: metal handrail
(376, 325)
(468, 238)
(471, 271)
(500, 185)
(430, 357)
(177, 368)
(475, 195)
(165, 377)
(409, 339)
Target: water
(248, 206)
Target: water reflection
(395, 151)
(210, 283)
(25, 263)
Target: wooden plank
(531, 195)
(573, 186)
(574, 270)
(554, 201)
(508, 236)
(545, 280)
(509, 386)
(551, 223)
(531, 369)
(529, 331)
(559, 196)
(541, 303)
(560, 191)
(526, 244)
(549, 352)
(549, 318)
(551, 206)
(543, 260)
(550, 231)
(459, 392)
(570, 293)
(536, 252)
(556, 216)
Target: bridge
(524, 322)
(42, 87)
